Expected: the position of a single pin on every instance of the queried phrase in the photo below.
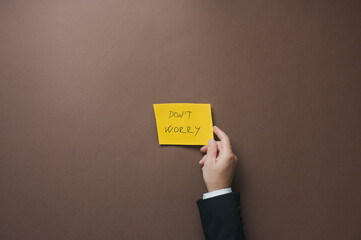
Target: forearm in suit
(221, 217)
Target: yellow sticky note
(183, 123)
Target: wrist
(216, 188)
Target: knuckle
(229, 154)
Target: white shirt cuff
(217, 193)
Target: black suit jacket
(221, 217)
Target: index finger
(223, 137)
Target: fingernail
(211, 142)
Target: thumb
(212, 151)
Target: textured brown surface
(79, 151)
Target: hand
(218, 168)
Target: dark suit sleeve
(221, 217)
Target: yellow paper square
(183, 123)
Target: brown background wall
(79, 152)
